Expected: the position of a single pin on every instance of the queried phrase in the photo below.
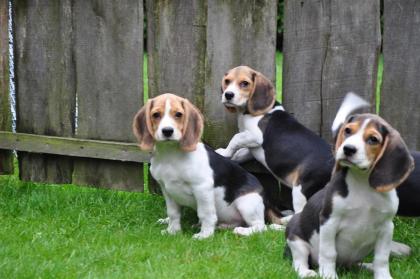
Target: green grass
(51, 231)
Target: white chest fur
(178, 172)
(247, 122)
(359, 218)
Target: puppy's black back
(293, 146)
(232, 176)
(409, 191)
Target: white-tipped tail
(350, 103)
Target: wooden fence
(91, 53)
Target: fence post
(400, 96)
(6, 158)
(176, 36)
(108, 55)
(330, 48)
(238, 33)
(45, 89)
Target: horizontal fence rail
(85, 148)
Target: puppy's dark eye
(243, 84)
(372, 140)
(178, 114)
(156, 115)
(227, 81)
(347, 131)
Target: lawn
(51, 231)
(66, 231)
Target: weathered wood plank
(108, 49)
(6, 158)
(330, 48)
(238, 33)
(176, 42)
(118, 151)
(400, 94)
(45, 91)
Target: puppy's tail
(350, 103)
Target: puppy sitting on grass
(192, 174)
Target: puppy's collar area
(276, 106)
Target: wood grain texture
(400, 95)
(109, 150)
(176, 37)
(238, 33)
(330, 48)
(108, 55)
(45, 90)
(6, 158)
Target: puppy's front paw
(223, 152)
(202, 235)
(307, 273)
(163, 221)
(170, 231)
(327, 273)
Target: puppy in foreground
(352, 216)
(192, 174)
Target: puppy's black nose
(229, 95)
(167, 131)
(349, 150)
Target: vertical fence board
(238, 33)
(44, 83)
(400, 96)
(176, 37)
(6, 158)
(108, 51)
(330, 48)
(176, 48)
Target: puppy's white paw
(170, 231)
(307, 273)
(202, 235)
(399, 249)
(367, 266)
(242, 231)
(223, 152)
(327, 273)
(276, 227)
(163, 221)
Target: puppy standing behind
(352, 216)
(191, 174)
(296, 156)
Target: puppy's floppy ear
(142, 127)
(393, 164)
(263, 96)
(193, 127)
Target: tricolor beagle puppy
(192, 174)
(352, 216)
(296, 156)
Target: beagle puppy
(296, 156)
(192, 174)
(352, 216)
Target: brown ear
(193, 127)
(262, 97)
(338, 142)
(142, 127)
(393, 164)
